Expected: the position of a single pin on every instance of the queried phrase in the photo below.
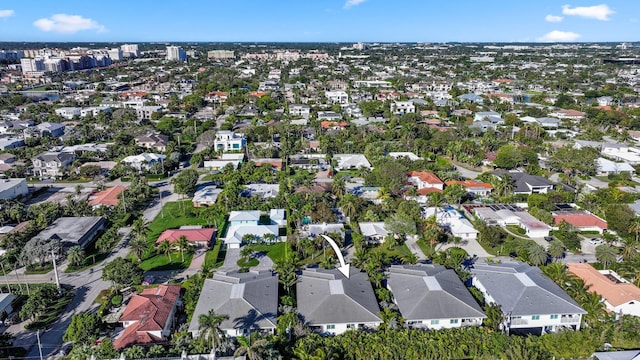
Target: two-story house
(149, 316)
(433, 297)
(300, 110)
(51, 164)
(425, 180)
(530, 302)
(337, 96)
(229, 141)
(403, 107)
(157, 142)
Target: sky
(320, 21)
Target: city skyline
(321, 21)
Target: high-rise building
(115, 54)
(32, 65)
(130, 50)
(176, 53)
(53, 65)
(220, 54)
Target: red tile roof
(108, 197)
(425, 176)
(193, 235)
(330, 124)
(425, 191)
(580, 220)
(151, 310)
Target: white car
(596, 241)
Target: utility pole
(18, 278)
(55, 270)
(39, 345)
(5, 277)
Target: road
(87, 283)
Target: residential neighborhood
(173, 202)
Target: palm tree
(592, 303)
(410, 258)
(537, 255)
(556, 249)
(165, 248)
(630, 250)
(606, 254)
(557, 272)
(634, 227)
(75, 255)
(183, 244)
(138, 245)
(251, 349)
(209, 328)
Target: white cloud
(351, 3)
(553, 18)
(559, 36)
(6, 13)
(598, 12)
(64, 23)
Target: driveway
(472, 247)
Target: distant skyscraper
(115, 54)
(176, 53)
(32, 65)
(130, 50)
(220, 54)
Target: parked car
(596, 241)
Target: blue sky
(320, 20)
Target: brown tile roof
(150, 310)
(470, 183)
(425, 191)
(108, 197)
(614, 293)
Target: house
(68, 112)
(331, 303)
(471, 97)
(527, 184)
(503, 215)
(374, 232)
(568, 114)
(149, 316)
(431, 296)
(229, 141)
(206, 196)
(313, 230)
(145, 112)
(405, 154)
(474, 187)
(143, 161)
(329, 116)
(583, 221)
(196, 235)
(246, 217)
(236, 234)
(451, 220)
(300, 110)
(74, 231)
(337, 96)
(6, 301)
(107, 197)
(351, 161)
(264, 191)
(489, 116)
(157, 142)
(620, 296)
(424, 179)
(529, 301)
(11, 143)
(249, 301)
(403, 107)
(607, 167)
(13, 188)
(51, 164)
(621, 152)
(45, 129)
(278, 217)
(548, 123)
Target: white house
(374, 232)
(331, 303)
(143, 161)
(337, 96)
(451, 220)
(403, 107)
(12, 188)
(529, 301)
(68, 112)
(351, 161)
(431, 296)
(229, 141)
(300, 110)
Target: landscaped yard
(275, 252)
(161, 262)
(174, 215)
(214, 258)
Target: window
(331, 327)
(453, 321)
(535, 317)
(351, 326)
(553, 317)
(435, 322)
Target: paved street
(88, 285)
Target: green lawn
(247, 264)
(426, 248)
(212, 257)
(161, 262)
(53, 313)
(32, 269)
(399, 251)
(275, 252)
(174, 215)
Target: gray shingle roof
(523, 290)
(327, 297)
(249, 299)
(425, 292)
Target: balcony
(569, 320)
(515, 322)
